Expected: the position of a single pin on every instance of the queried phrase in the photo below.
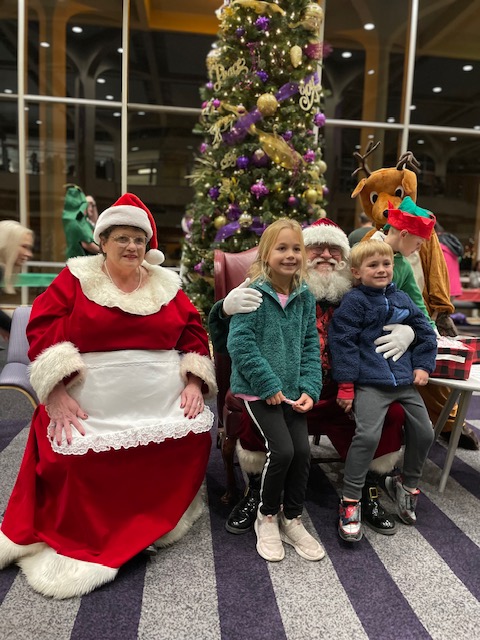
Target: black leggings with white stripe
(288, 457)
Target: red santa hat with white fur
(325, 231)
(129, 211)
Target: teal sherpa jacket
(276, 349)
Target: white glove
(242, 300)
(395, 343)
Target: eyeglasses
(318, 249)
(124, 241)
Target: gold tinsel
(312, 18)
(259, 7)
(277, 149)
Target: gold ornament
(311, 196)
(312, 18)
(245, 220)
(277, 149)
(322, 167)
(219, 222)
(267, 104)
(296, 55)
(323, 213)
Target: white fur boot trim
(191, 515)
(250, 461)
(386, 463)
(61, 577)
(11, 552)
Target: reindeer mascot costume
(393, 184)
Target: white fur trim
(122, 215)
(202, 367)
(250, 461)
(57, 576)
(326, 234)
(11, 552)
(385, 464)
(54, 364)
(161, 287)
(154, 256)
(191, 515)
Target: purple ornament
(233, 211)
(240, 32)
(260, 159)
(198, 268)
(319, 119)
(263, 75)
(216, 103)
(325, 191)
(209, 85)
(259, 189)
(203, 147)
(204, 104)
(262, 23)
(309, 156)
(242, 162)
(214, 192)
(287, 135)
(292, 201)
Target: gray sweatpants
(369, 407)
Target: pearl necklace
(124, 292)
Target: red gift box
(474, 343)
(454, 359)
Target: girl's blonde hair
(368, 248)
(260, 269)
(12, 236)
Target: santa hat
(412, 218)
(325, 231)
(129, 211)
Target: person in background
(368, 384)
(474, 276)
(119, 444)
(276, 372)
(92, 211)
(16, 247)
(78, 231)
(452, 250)
(357, 234)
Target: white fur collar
(161, 287)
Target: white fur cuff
(202, 367)
(250, 461)
(54, 365)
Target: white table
(460, 391)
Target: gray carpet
(423, 582)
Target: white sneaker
(269, 544)
(294, 533)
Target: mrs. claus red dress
(80, 511)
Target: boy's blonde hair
(368, 248)
(12, 235)
(260, 270)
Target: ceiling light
(119, 50)
(146, 171)
(477, 127)
(38, 122)
(390, 119)
(77, 29)
(370, 136)
(347, 54)
(141, 113)
(453, 138)
(437, 89)
(413, 107)
(420, 141)
(134, 148)
(467, 67)
(371, 72)
(101, 80)
(369, 26)
(116, 114)
(7, 91)
(109, 97)
(45, 45)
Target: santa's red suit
(79, 511)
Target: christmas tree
(261, 119)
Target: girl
(276, 371)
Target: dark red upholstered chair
(230, 270)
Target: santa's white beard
(329, 285)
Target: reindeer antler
(361, 159)
(408, 161)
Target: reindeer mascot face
(392, 184)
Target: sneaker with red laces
(405, 501)
(350, 521)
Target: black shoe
(244, 514)
(373, 514)
(468, 438)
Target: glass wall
(70, 111)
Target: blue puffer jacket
(360, 319)
(276, 349)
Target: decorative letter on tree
(260, 159)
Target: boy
(370, 383)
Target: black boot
(244, 513)
(373, 514)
